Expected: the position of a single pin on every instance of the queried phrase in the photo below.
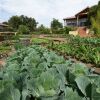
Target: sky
(43, 10)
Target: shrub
(23, 29)
(64, 30)
(67, 29)
(58, 31)
(43, 30)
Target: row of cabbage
(35, 73)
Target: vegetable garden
(40, 63)
(83, 49)
(35, 73)
(38, 73)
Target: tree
(95, 18)
(56, 26)
(43, 30)
(29, 22)
(23, 29)
(16, 21)
(96, 24)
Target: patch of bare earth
(2, 62)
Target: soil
(2, 62)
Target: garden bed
(37, 73)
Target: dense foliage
(56, 27)
(23, 29)
(16, 21)
(83, 49)
(94, 18)
(67, 29)
(35, 73)
(43, 30)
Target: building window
(71, 24)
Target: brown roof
(70, 18)
(84, 12)
(3, 25)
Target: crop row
(86, 41)
(81, 49)
(83, 53)
(34, 73)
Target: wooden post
(77, 20)
(64, 22)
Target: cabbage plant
(35, 73)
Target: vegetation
(67, 29)
(4, 49)
(16, 21)
(94, 18)
(35, 73)
(83, 49)
(40, 41)
(23, 29)
(43, 30)
(56, 27)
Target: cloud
(44, 10)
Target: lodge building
(79, 20)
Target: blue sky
(43, 10)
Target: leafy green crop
(34, 73)
(83, 49)
(40, 41)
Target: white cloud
(44, 10)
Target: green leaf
(25, 93)
(15, 94)
(71, 95)
(82, 83)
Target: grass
(4, 49)
(40, 40)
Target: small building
(3, 27)
(5, 32)
(79, 20)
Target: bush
(58, 31)
(23, 29)
(43, 30)
(94, 15)
(64, 30)
(67, 29)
